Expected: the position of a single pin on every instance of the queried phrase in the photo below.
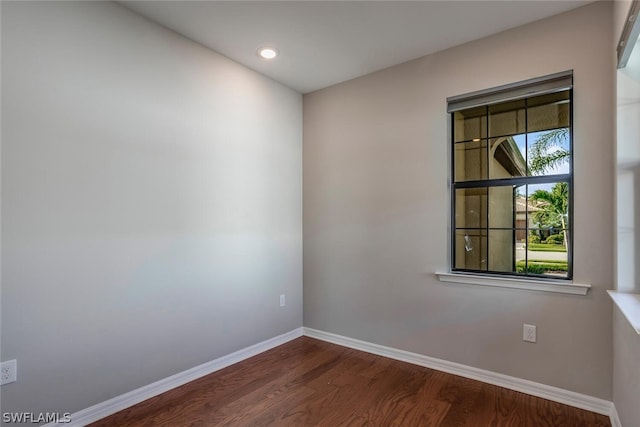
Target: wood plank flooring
(307, 382)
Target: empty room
(320, 213)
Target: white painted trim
(615, 419)
(118, 403)
(629, 304)
(563, 287)
(544, 391)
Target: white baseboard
(615, 419)
(555, 394)
(118, 403)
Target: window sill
(508, 282)
(629, 305)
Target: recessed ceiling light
(267, 52)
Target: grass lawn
(546, 247)
(542, 266)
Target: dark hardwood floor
(307, 382)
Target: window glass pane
(523, 214)
(507, 118)
(471, 250)
(507, 219)
(502, 207)
(521, 249)
(502, 249)
(546, 258)
(471, 161)
(470, 124)
(471, 208)
(548, 111)
(549, 152)
(548, 239)
(507, 157)
(549, 207)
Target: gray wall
(376, 210)
(151, 204)
(626, 342)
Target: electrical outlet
(8, 372)
(529, 333)
(282, 300)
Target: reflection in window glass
(471, 208)
(507, 157)
(507, 118)
(502, 207)
(470, 124)
(550, 111)
(502, 248)
(471, 160)
(471, 249)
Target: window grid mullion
(489, 179)
(526, 187)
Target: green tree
(543, 157)
(554, 207)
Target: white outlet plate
(282, 300)
(529, 333)
(8, 372)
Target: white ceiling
(322, 43)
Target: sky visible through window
(562, 168)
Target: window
(511, 179)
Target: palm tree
(554, 206)
(541, 158)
